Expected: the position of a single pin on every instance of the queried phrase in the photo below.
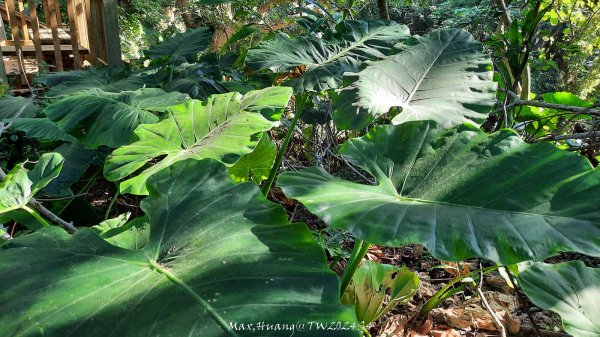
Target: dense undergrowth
(390, 138)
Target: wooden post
(3, 77)
(74, 32)
(2, 32)
(10, 5)
(24, 25)
(54, 12)
(46, 11)
(91, 32)
(35, 27)
(111, 32)
(99, 23)
(82, 28)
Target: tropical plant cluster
(410, 139)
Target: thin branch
(488, 307)
(539, 104)
(583, 135)
(583, 148)
(504, 13)
(577, 109)
(62, 198)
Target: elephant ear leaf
(125, 233)
(107, 79)
(182, 47)
(257, 164)
(20, 184)
(110, 118)
(441, 188)
(224, 127)
(12, 107)
(326, 60)
(219, 257)
(444, 76)
(569, 289)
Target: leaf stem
(301, 100)
(364, 331)
(36, 215)
(358, 252)
(112, 203)
(84, 190)
(441, 295)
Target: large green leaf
(199, 87)
(21, 184)
(224, 127)
(219, 253)
(42, 129)
(257, 164)
(565, 98)
(459, 192)
(444, 76)
(12, 107)
(123, 233)
(182, 47)
(326, 60)
(378, 288)
(77, 161)
(110, 118)
(109, 79)
(570, 289)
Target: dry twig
(488, 307)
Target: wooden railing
(86, 30)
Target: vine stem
(36, 215)
(301, 100)
(358, 253)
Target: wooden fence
(73, 33)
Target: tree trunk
(223, 29)
(187, 17)
(382, 6)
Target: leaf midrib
(344, 51)
(381, 193)
(182, 285)
(441, 51)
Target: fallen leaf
(473, 316)
(393, 326)
(456, 269)
(445, 333)
(424, 327)
(502, 301)
(498, 282)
